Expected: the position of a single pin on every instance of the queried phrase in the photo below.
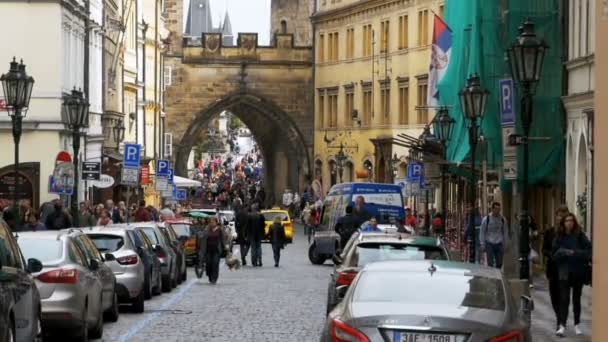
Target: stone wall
(296, 14)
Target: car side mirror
(341, 292)
(93, 265)
(34, 265)
(109, 257)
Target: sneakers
(561, 332)
(577, 330)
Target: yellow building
(371, 75)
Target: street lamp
(76, 117)
(119, 133)
(443, 126)
(341, 157)
(423, 138)
(473, 102)
(526, 55)
(395, 162)
(17, 86)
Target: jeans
(554, 294)
(212, 266)
(494, 253)
(244, 246)
(276, 252)
(256, 252)
(574, 286)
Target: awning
(182, 182)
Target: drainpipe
(144, 30)
(85, 72)
(155, 80)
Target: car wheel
(331, 298)
(138, 303)
(174, 279)
(39, 336)
(185, 274)
(166, 283)
(113, 313)
(147, 287)
(159, 285)
(97, 331)
(316, 259)
(83, 334)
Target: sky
(245, 16)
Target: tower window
(283, 26)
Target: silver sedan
(428, 301)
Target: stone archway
(286, 157)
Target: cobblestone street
(251, 304)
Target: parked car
(178, 248)
(365, 248)
(164, 251)
(104, 272)
(126, 265)
(186, 233)
(20, 307)
(269, 216)
(225, 217)
(145, 250)
(428, 300)
(70, 290)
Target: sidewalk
(543, 317)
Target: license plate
(427, 337)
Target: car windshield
(366, 253)
(44, 250)
(404, 287)
(181, 229)
(271, 215)
(151, 234)
(107, 243)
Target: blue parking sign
(162, 168)
(182, 195)
(507, 95)
(132, 155)
(170, 176)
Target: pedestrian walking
(493, 236)
(104, 218)
(212, 246)
(550, 267)
(142, 214)
(277, 239)
(85, 217)
(113, 211)
(256, 231)
(33, 222)
(241, 222)
(346, 226)
(58, 219)
(571, 255)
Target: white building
(49, 37)
(579, 105)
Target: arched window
(333, 173)
(283, 26)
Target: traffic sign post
(132, 155)
(162, 168)
(170, 177)
(91, 171)
(130, 176)
(182, 195)
(507, 121)
(507, 111)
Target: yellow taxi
(269, 216)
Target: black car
(19, 298)
(145, 250)
(178, 247)
(364, 248)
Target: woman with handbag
(212, 246)
(571, 255)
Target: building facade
(579, 104)
(371, 84)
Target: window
(404, 103)
(423, 27)
(403, 32)
(367, 40)
(350, 43)
(367, 106)
(385, 102)
(168, 77)
(332, 106)
(321, 48)
(423, 115)
(349, 106)
(384, 36)
(283, 26)
(332, 48)
(321, 110)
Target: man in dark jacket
(241, 223)
(550, 269)
(346, 226)
(58, 219)
(256, 231)
(361, 215)
(142, 214)
(277, 239)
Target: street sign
(91, 170)
(130, 176)
(63, 157)
(415, 173)
(162, 168)
(507, 111)
(182, 195)
(509, 168)
(104, 182)
(170, 176)
(508, 151)
(60, 189)
(132, 155)
(161, 184)
(145, 175)
(63, 178)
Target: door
(104, 272)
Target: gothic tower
(292, 16)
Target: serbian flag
(440, 58)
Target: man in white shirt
(493, 236)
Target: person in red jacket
(142, 214)
(410, 220)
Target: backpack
(504, 223)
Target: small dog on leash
(233, 262)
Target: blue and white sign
(507, 96)
(182, 195)
(162, 168)
(58, 188)
(414, 172)
(132, 155)
(170, 176)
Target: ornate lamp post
(17, 86)
(76, 117)
(424, 137)
(119, 133)
(526, 55)
(443, 126)
(395, 163)
(341, 158)
(473, 103)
